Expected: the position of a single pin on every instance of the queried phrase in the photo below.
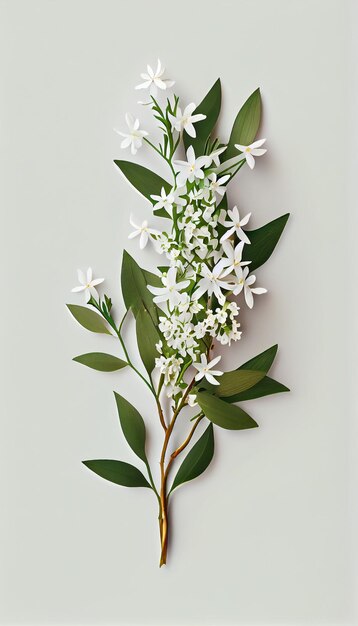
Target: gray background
(267, 536)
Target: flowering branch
(191, 304)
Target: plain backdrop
(268, 534)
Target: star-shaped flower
(192, 168)
(87, 284)
(234, 224)
(143, 232)
(134, 138)
(184, 121)
(154, 80)
(205, 369)
(251, 151)
(171, 290)
(244, 282)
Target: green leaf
(265, 387)
(263, 242)
(245, 126)
(143, 180)
(133, 426)
(153, 279)
(136, 295)
(223, 414)
(210, 107)
(197, 460)
(88, 319)
(147, 337)
(262, 361)
(117, 472)
(237, 381)
(101, 361)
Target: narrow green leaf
(117, 472)
(210, 107)
(88, 319)
(134, 288)
(133, 426)
(245, 126)
(265, 387)
(147, 337)
(197, 460)
(262, 361)
(263, 242)
(152, 279)
(143, 180)
(101, 361)
(223, 414)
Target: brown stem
(188, 439)
(163, 512)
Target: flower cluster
(204, 245)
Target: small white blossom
(184, 121)
(134, 138)
(168, 200)
(143, 232)
(171, 290)
(217, 185)
(212, 282)
(249, 152)
(234, 224)
(192, 168)
(244, 283)
(205, 369)
(87, 284)
(233, 258)
(154, 80)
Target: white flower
(212, 282)
(155, 80)
(192, 168)
(171, 290)
(214, 156)
(166, 201)
(233, 258)
(244, 283)
(142, 232)
(216, 186)
(87, 284)
(205, 369)
(170, 367)
(251, 151)
(184, 121)
(134, 138)
(234, 225)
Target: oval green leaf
(117, 472)
(88, 319)
(101, 361)
(147, 337)
(263, 242)
(197, 460)
(265, 387)
(223, 414)
(209, 106)
(133, 426)
(246, 125)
